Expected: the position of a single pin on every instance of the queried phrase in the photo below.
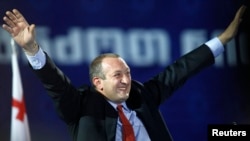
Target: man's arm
(54, 81)
(176, 74)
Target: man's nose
(125, 79)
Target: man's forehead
(111, 62)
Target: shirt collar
(115, 105)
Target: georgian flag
(19, 120)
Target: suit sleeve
(162, 85)
(66, 97)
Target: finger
(8, 29)
(11, 16)
(9, 22)
(241, 12)
(32, 29)
(18, 15)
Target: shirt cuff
(38, 60)
(215, 46)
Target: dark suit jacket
(91, 118)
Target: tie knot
(119, 107)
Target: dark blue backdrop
(149, 34)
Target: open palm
(19, 29)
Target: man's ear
(97, 83)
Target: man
(91, 111)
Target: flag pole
(13, 47)
(19, 120)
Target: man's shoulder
(136, 82)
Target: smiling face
(117, 82)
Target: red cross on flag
(19, 120)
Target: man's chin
(124, 96)
(122, 99)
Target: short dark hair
(95, 69)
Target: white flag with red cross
(19, 120)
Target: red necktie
(127, 129)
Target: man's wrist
(31, 51)
(216, 46)
(37, 61)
